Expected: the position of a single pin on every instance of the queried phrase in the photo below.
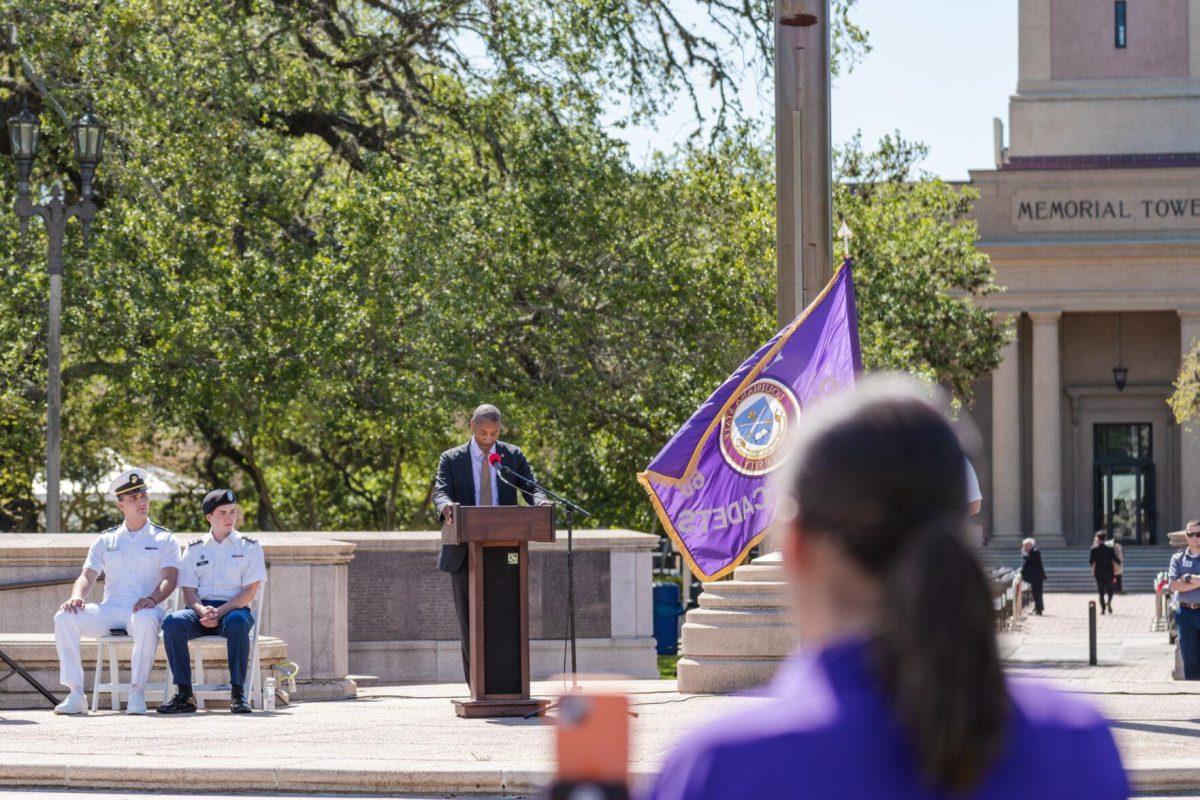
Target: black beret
(217, 498)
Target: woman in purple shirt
(899, 691)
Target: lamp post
(87, 138)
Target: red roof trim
(1151, 161)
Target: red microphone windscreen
(494, 458)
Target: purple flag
(709, 485)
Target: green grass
(666, 667)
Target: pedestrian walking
(1033, 573)
(1104, 561)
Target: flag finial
(845, 234)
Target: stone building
(1091, 216)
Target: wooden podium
(497, 539)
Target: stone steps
(757, 633)
(741, 631)
(1067, 568)
(744, 594)
(722, 675)
(759, 572)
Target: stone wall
(374, 604)
(402, 623)
(305, 600)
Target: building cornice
(1115, 248)
(1078, 301)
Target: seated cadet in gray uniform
(220, 575)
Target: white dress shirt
(132, 561)
(974, 495)
(220, 570)
(477, 457)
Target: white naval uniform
(974, 495)
(132, 563)
(220, 570)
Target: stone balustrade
(402, 623)
(304, 606)
(341, 603)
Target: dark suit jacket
(455, 483)
(1032, 570)
(1103, 560)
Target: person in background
(140, 563)
(1033, 573)
(898, 691)
(1104, 561)
(466, 476)
(1183, 576)
(974, 493)
(220, 577)
(1119, 566)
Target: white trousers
(98, 620)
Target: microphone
(494, 460)
(527, 486)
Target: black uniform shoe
(238, 703)
(181, 703)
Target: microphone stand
(571, 509)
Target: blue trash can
(666, 618)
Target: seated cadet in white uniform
(140, 562)
(221, 574)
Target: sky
(938, 72)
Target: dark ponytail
(937, 655)
(883, 476)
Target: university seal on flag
(758, 425)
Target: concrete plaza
(405, 740)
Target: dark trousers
(462, 606)
(1104, 587)
(1035, 587)
(180, 627)
(1188, 623)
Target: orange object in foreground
(593, 739)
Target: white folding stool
(108, 644)
(216, 691)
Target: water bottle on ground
(268, 697)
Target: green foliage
(1185, 400)
(668, 667)
(917, 269)
(327, 231)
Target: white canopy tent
(163, 484)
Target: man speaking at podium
(466, 476)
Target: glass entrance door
(1124, 482)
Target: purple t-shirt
(829, 734)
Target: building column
(1006, 448)
(1047, 429)
(1189, 433)
(1194, 42)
